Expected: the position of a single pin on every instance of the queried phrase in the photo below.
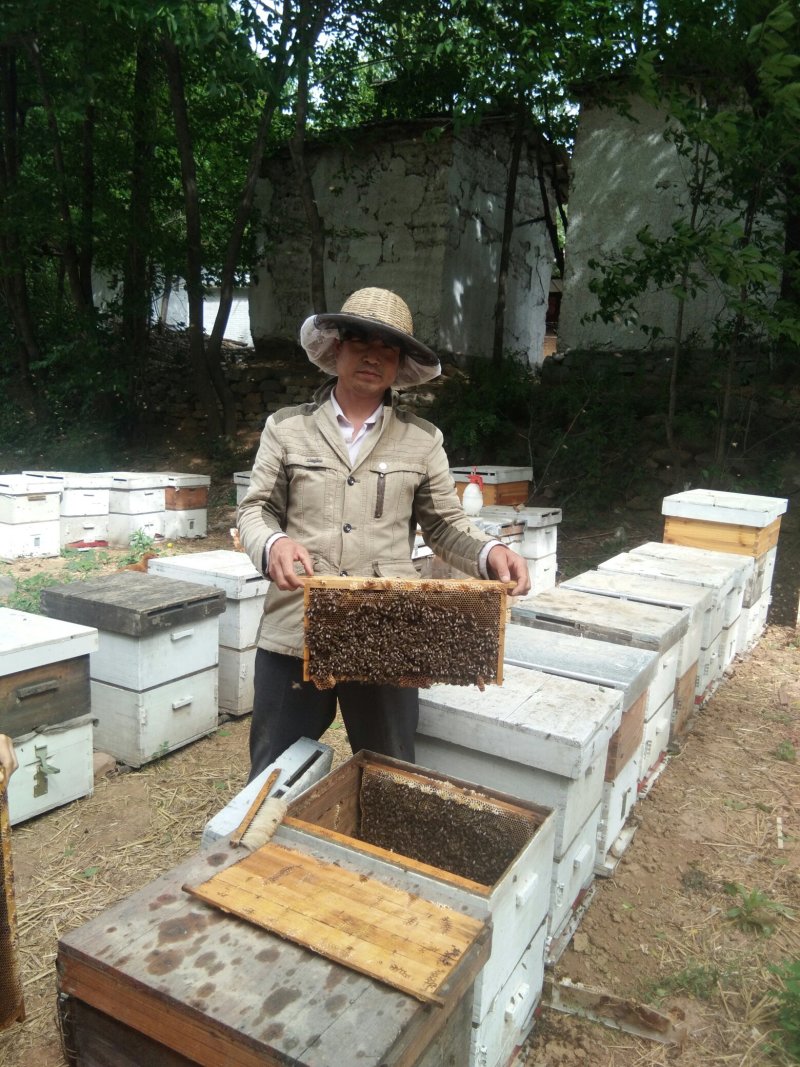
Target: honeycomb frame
(404, 632)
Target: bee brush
(266, 813)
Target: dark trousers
(381, 718)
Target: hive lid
(493, 474)
(185, 481)
(22, 485)
(223, 568)
(28, 640)
(615, 666)
(713, 505)
(556, 724)
(647, 588)
(242, 477)
(530, 517)
(126, 481)
(724, 564)
(132, 603)
(589, 615)
(71, 479)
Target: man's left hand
(507, 566)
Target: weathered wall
(625, 175)
(420, 216)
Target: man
(339, 486)
(8, 759)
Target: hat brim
(318, 333)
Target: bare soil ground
(725, 812)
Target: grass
(755, 912)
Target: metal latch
(43, 769)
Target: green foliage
(786, 752)
(787, 997)
(140, 543)
(28, 593)
(479, 411)
(755, 912)
(700, 980)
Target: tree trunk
(243, 210)
(297, 146)
(86, 251)
(508, 229)
(206, 391)
(549, 221)
(135, 288)
(69, 248)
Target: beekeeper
(339, 486)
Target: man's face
(366, 364)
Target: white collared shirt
(354, 439)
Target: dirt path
(724, 813)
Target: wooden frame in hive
(12, 1005)
(403, 632)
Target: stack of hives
(245, 590)
(45, 706)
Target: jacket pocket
(394, 568)
(395, 486)
(312, 487)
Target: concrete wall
(625, 175)
(420, 216)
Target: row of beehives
(42, 512)
(150, 659)
(600, 674)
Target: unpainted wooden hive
(403, 632)
(11, 1001)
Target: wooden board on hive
(382, 932)
(404, 632)
(721, 536)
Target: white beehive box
(541, 737)
(55, 768)
(510, 1015)
(186, 504)
(241, 480)
(573, 874)
(154, 674)
(759, 583)
(81, 494)
(735, 509)
(659, 629)
(139, 726)
(29, 518)
(137, 492)
(245, 590)
(619, 799)
(44, 671)
(516, 905)
(84, 505)
(186, 523)
(122, 527)
(752, 622)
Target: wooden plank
(626, 739)
(722, 536)
(185, 498)
(42, 696)
(684, 701)
(264, 888)
(333, 803)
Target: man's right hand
(283, 555)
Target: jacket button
(351, 480)
(347, 527)
(343, 574)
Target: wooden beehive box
(740, 523)
(203, 988)
(403, 632)
(44, 671)
(456, 843)
(501, 485)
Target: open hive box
(403, 632)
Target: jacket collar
(330, 430)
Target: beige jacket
(358, 520)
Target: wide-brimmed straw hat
(377, 311)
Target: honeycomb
(404, 633)
(11, 1002)
(448, 827)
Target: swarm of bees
(404, 633)
(455, 830)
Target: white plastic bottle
(472, 500)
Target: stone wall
(626, 175)
(417, 213)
